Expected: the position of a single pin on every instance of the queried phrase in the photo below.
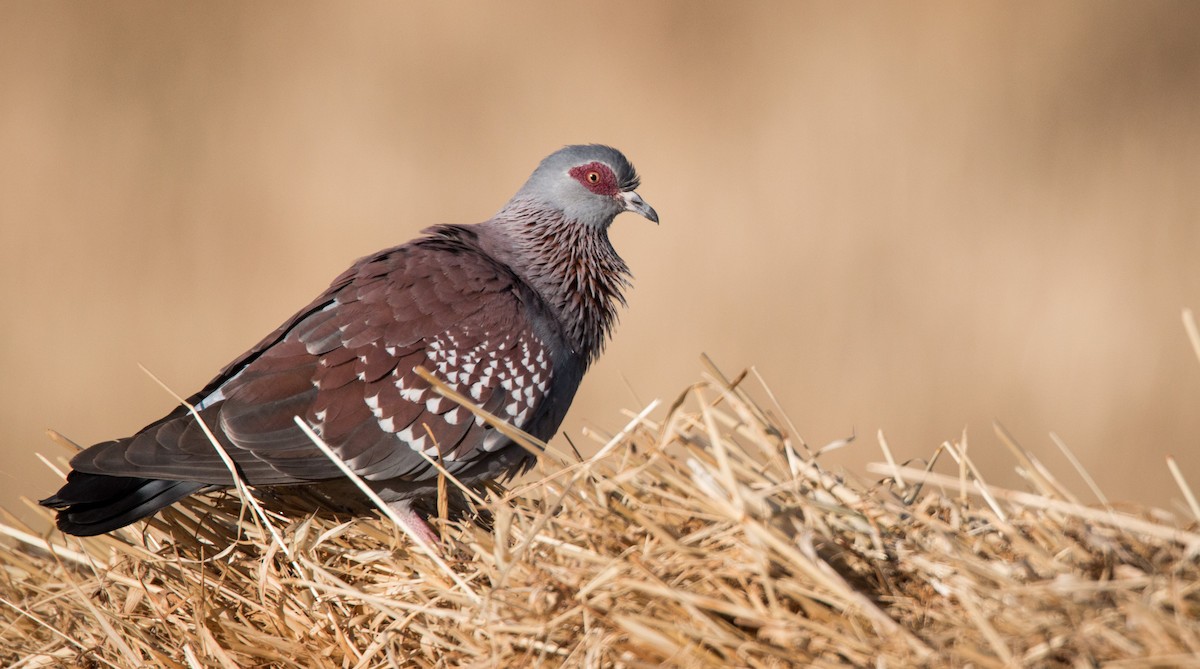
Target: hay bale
(711, 538)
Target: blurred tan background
(918, 218)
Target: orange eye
(593, 177)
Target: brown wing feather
(346, 364)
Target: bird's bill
(635, 203)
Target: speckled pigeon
(509, 312)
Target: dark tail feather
(91, 504)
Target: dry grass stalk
(711, 538)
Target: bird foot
(416, 524)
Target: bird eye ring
(593, 177)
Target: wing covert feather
(346, 364)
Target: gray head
(589, 183)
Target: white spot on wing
(373, 405)
(434, 404)
(414, 395)
(414, 442)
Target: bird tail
(91, 504)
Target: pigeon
(509, 313)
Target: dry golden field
(708, 538)
(918, 218)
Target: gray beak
(635, 203)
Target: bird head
(589, 183)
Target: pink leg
(415, 523)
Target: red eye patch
(596, 177)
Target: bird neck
(572, 265)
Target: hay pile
(711, 538)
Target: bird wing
(347, 365)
